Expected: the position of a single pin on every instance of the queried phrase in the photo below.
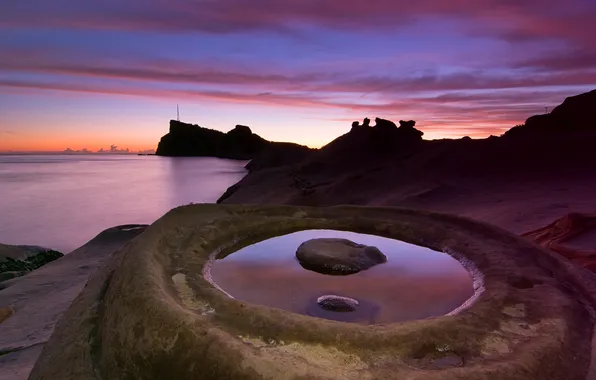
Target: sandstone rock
(337, 256)
(196, 331)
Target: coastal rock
(407, 124)
(192, 140)
(576, 114)
(17, 260)
(156, 286)
(32, 305)
(279, 154)
(337, 256)
(337, 303)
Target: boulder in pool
(337, 256)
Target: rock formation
(575, 114)
(239, 143)
(31, 305)
(337, 256)
(555, 235)
(191, 140)
(337, 303)
(152, 313)
(395, 166)
(17, 260)
(279, 154)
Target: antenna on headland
(178, 112)
(545, 109)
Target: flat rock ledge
(338, 256)
(152, 313)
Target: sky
(88, 75)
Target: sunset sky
(88, 74)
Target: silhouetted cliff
(389, 165)
(576, 114)
(191, 140)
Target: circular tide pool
(415, 282)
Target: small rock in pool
(337, 303)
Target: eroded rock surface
(152, 312)
(338, 256)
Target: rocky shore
(30, 306)
(537, 180)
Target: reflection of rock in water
(366, 311)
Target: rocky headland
(240, 143)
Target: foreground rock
(151, 313)
(558, 236)
(39, 298)
(337, 256)
(17, 260)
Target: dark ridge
(191, 140)
(389, 165)
(576, 114)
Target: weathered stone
(337, 256)
(152, 312)
(337, 303)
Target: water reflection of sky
(416, 282)
(401, 255)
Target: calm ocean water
(62, 201)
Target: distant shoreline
(72, 154)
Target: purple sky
(84, 74)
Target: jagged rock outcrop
(192, 140)
(576, 114)
(363, 140)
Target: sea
(63, 201)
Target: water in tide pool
(62, 201)
(415, 282)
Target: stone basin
(152, 313)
